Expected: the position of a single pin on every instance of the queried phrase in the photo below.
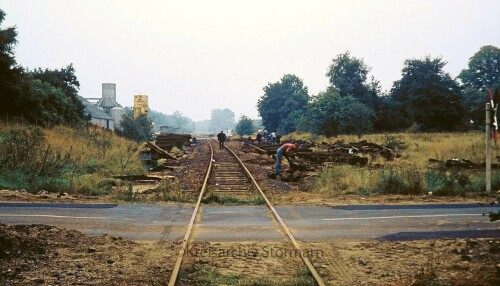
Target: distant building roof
(107, 102)
(94, 111)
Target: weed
(207, 275)
(428, 272)
(394, 143)
(13, 180)
(258, 200)
(340, 179)
(170, 190)
(125, 194)
(390, 182)
(222, 200)
(229, 200)
(407, 181)
(446, 183)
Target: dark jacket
(221, 137)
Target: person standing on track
(259, 137)
(285, 150)
(221, 137)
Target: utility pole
(488, 149)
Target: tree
(283, 103)
(244, 126)
(221, 119)
(138, 129)
(43, 103)
(182, 123)
(428, 96)
(44, 97)
(483, 71)
(389, 116)
(64, 101)
(349, 75)
(176, 122)
(10, 73)
(331, 114)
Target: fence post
(488, 149)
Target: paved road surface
(149, 222)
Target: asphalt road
(253, 223)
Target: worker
(221, 137)
(259, 137)
(285, 150)
(272, 137)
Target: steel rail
(182, 250)
(289, 235)
(285, 228)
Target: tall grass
(411, 173)
(345, 179)
(62, 159)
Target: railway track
(227, 175)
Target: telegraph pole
(488, 149)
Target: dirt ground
(48, 255)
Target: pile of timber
(338, 148)
(167, 141)
(332, 157)
(338, 152)
(461, 164)
(151, 151)
(363, 147)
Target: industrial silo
(140, 105)
(109, 91)
(117, 114)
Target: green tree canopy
(283, 103)
(138, 129)
(221, 119)
(10, 73)
(175, 122)
(483, 71)
(45, 97)
(331, 114)
(62, 99)
(428, 96)
(244, 126)
(349, 75)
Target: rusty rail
(284, 227)
(182, 251)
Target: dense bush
(406, 181)
(446, 183)
(62, 159)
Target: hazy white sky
(195, 56)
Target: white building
(105, 111)
(97, 115)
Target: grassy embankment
(62, 159)
(412, 173)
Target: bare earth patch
(48, 255)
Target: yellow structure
(140, 105)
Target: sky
(196, 56)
